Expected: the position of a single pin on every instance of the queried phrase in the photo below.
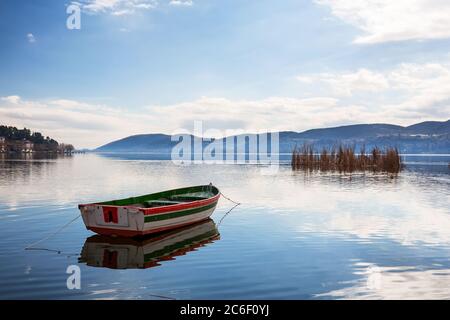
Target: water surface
(295, 235)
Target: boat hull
(132, 221)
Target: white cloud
(87, 125)
(387, 20)
(11, 99)
(125, 7)
(31, 38)
(347, 83)
(274, 113)
(65, 120)
(408, 91)
(117, 7)
(406, 94)
(182, 3)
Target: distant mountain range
(424, 137)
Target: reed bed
(344, 159)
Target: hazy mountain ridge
(424, 137)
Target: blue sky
(140, 66)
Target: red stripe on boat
(177, 207)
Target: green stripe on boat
(176, 214)
(179, 245)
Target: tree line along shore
(14, 140)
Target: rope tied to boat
(30, 247)
(226, 213)
(236, 203)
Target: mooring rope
(29, 247)
(226, 213)
(237, 203)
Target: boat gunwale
(162, 209)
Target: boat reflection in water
(127, 253)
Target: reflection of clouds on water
(80, 178)
(408, 211)
(403, 216)
(105, 291)
(394, 283)
(429, 228)
(105, 294)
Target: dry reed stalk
(344, 159)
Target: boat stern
(112, 220)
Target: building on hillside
(23, 146)
(27, 146)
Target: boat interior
(171, 200)
(168, 198)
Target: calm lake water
(295, 236)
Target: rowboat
(141, 253)
(151, 213)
